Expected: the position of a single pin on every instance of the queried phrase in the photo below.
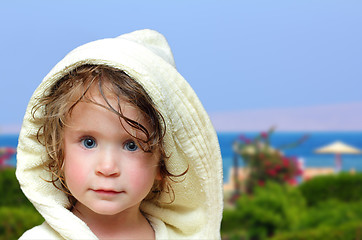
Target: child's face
(104, 168)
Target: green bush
(14, 221)
(17, 214)
(11, 194)
(344, 187)
(282, 212)
(331, 213)
(347, 231)
(271, 208)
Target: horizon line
(340, 117)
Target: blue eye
(131, 146)
(89, 143)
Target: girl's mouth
(106, 192)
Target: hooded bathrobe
(190, 140)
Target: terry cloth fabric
(190, 139)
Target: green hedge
(331, 213)
(281, 212)
(14, 221)
(347, 231)
(271, 208)
(345, 187)
(17, 214)
(11, 194)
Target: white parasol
(338, 148)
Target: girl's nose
(108, 165)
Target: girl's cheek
(149, 175)
(74, 168)
(75, 175)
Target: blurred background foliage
(17, 214)
(325, 207)
(264, 162)
(271, 204)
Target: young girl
(116, 145)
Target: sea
(305, 151)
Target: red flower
(261, 183)
(264, 135)
(299, 172)
(244, 139)
(292, 181)
(272, 172)
(278, 168)
(285, 162)
(5, 154)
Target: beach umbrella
(338, 148)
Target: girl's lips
(108, 192)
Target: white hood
(190, 140)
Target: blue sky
(237, 55)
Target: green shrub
(17, 214)
(271, 208)
(11, 194)
(331, 213)
(344, 187)
(331, 219)
(334, 211)
(347, 231)
(14, 221)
